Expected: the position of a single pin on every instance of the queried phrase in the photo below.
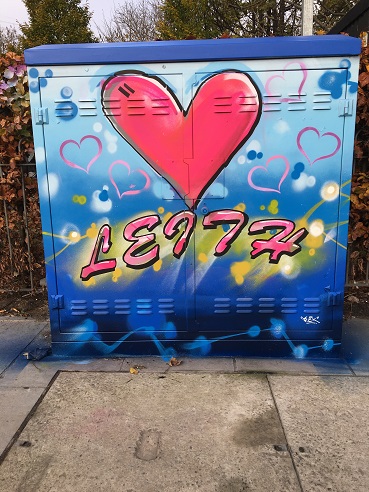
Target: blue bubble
(295, 175)
(352, 87)
(48, 73)
(300, 351)
(278, 327)
(43, 82)
(328, 344)
(33, 72)
(254, 331)
(251, 155)
(103, 196)
(345, 63)
(66, 92)
(259, 155)
(333, 82)
(68, 110)
(298, 168)
(33, 87)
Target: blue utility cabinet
(195, 194)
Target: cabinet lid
(193, 50)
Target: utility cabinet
(195, 194)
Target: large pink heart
(131, 188)
(266, 169)
(73, 142)
(336, 141)
(189, 148)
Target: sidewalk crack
(284, 433)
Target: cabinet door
(275, 279)
(208, 221)
(117, 278)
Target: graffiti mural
(196, 208)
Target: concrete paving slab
(12, 371)
(291, 366)
(325, 419)
(152, 432)
(33, 375)
(15, 335)
(39, 373)
(15, 405)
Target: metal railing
(15, 238)
(356, 274)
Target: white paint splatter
(254, 145)
(303, 182)
(97, 204)
(281, 127)
(40, 155)
(49, 187)
(112, 147)
(110, 137)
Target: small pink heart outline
(265, 169)
(283, 77)
(73, 164)
(315, 130)
(128, 167)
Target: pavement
(209, 425)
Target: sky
(12, 11)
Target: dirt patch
(34, 305)
(356, 302)
(28, 305)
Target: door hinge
(57, 301)
(41, 116)
(334, 298)
(346, 107)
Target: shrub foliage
(359, 215)
(21, 252)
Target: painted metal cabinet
(195, 194)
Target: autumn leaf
(353, 299)
(174, 362)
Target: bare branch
(132, 22)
